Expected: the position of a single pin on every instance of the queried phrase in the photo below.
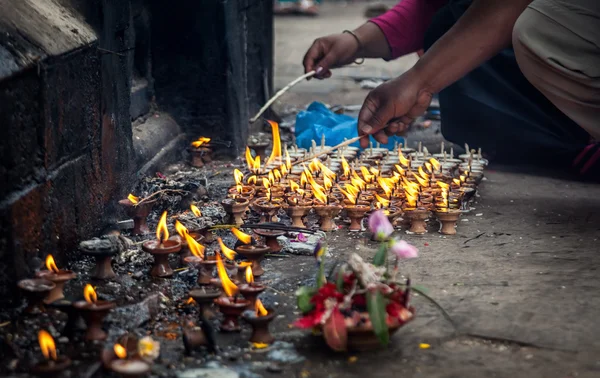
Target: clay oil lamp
(53, 365)
(236, 208)
(250, 290)
(415, 213)
(196, 259)
(241, 270)
(128, 367)
(253, 253)
(204, 297)
(103, 256)
(325, 208)
(59, 277)
(93, 311)
(446, 216)
(259, 320)
(258, 145)
(138, 211)
(232, 304)
(201, 152)
(183, 238)
(268, 207)
(161, 248)
(271, 241)
(297, 209)
(241, 190)
(35, 290)
(355, 211)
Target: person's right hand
(328, 52)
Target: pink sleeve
(404, 25)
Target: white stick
(281, 92)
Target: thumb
(373, 116)
(324, 65)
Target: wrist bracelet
(360, 46)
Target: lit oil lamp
(53, 364)
(196, 259)
(231, 305)
(446, 216)
(297, 209)
(35, 290)
(59, 277)
(183, 237)
(268, 207)
(201, 152)
(250, 290)
(241, 270)
(414, 212)
(161, 249)
(236, 208)
(128, 367)
(253, 253)
(326, 209)
(271, 241)
(138, 210)
(355, 210)
(259, 320)
(93, 311)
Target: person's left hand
(391, 107)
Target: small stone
(63, 340)
(137, 275)
(274, 368)
(208, 373)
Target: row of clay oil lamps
(434, 186)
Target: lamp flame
(400, 170)
(50, 264)
(133, 199)
(303, 180)
(47, 345)
(181, 229)
(386, 185)
(162, 233)
(200, 142)
(252, 180)
(456, 181)
(190, 301)
(243, 237)
(195, 210)
(238, 176)
(443, 185)
(351, 195)
(276, 153)
(319, 194)
(260, 309)
(384, 202)
(288, 160)
(228, 286)
(196, 248)
(271, 177)
(293, 186)
(345, 167)
(365, 174)
(327, 184)
(249, 275)
(90, 294)
(120, 351)
(436, 164)
(249, 159)
(403, 161)
(229, 253)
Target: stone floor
(519, 280)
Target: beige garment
(557, 46)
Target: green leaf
(340, 278)
(377, 314)
(303, 296)
(321, 279)
(419, 288)
(335, 332)
(381, 255)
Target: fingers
(373, 118)
(314, 54)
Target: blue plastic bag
(317, 120)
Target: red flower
(359, 300)
(313, 318)
(393, 309)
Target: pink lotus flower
(380, 225)
(403, 250)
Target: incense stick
(281, 92)
(328, 151)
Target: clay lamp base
(271, 239)
(94, 314)
(73, 316)
(356, 213)
(250, 291)
(236, 208)
(267, 209)
(448, 219)
(200, 156)
(193, 339)
(51, 368)
(241, 270)
(205, 297)
(326, 214)
(185, 250)
(161, 252)
(231, 308)
(138, 213)
(103, 269)
(297, 212)
(35, 290)
(59, 279)
(254, 254)
(417, 219)
(260, 326)
(130, 368)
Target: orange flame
(162, 233)
(374, 171)
(181, 229)
(327, 184)
(196, 248)
(252, 180)
(403, 161)
(133, 199)
(47, 345)
(249, 159)
(260, 309)
(462, 178)
(276, 153)
(288, 160)
(284, 170)
(386, 185)
(238, 176)
(365, 174)
(345, 167)
(411, 199)
(90, 294)
(256, 165)
(190, 301)
(277, 175)
(443, 185)
(429, 167)
(266, 183)
(249, 275)
(314, 166)
(50, 265)
(319, 194)
(303, 179)
(228, 286)
(358, 183)
(349, 194)
(229, 253)
(293, 186)
(195, 210)
(400, 170)
(120, 351)
(436, 164)
(244, 238)
(456, 181)
(384, 202)
(200, 142)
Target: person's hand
(391, 107)
(328, 52)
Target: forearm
(374, 43)
(482, 32)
